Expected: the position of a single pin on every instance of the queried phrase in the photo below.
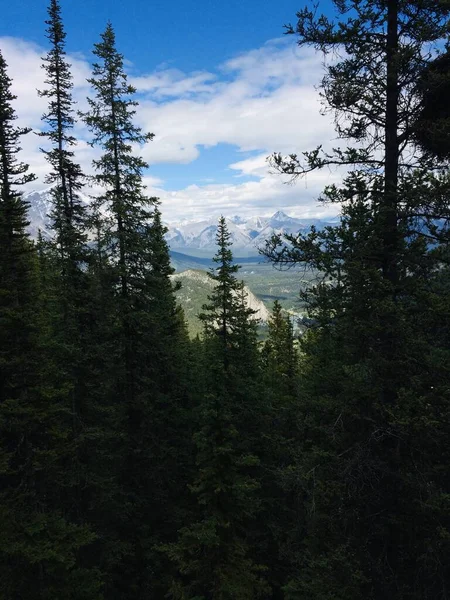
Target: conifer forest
(140, 463)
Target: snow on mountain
(247, 234)
(40, 207)
(237, 220)
(202, 235)
(256, 223)
(280, 224)
(281, 217)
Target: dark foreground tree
(66, 286)
(38, 544)
(372, 472)
(432, 127)
(148, 393)
(213, 556)
(282, 443)
(279, 353)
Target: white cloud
(261, 197)
(261, 101)
(24, 60)
(267, 102)
(174, 83)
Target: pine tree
(128, 212)
(148, 391)
(38, 544)
(432, 126)
(68, 253)
(77, 335)
(119, 172)
(226, 316)
(68, 215)
(280, 355)
(374, 407)
(213, 555)
(280, 505)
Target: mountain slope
(195, 287)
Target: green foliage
(119, 171)
(38, 544)
(432, 127)
(226, 318)
(213, 556)
(136, 463)
(149, 365)
(68, 215)
(366, 381)
(279, 352)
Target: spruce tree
(147, 391)
(38, 543)
(373, 407)
(226, 315)
(213, 556)
(282, 443)
(66, 264)
(279, 352)
(68, 217)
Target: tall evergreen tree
(75, 334)
(213, 555)
(281, 508)
(374, 407)
(68, 218)
(148, 393)
(226, 315)
(279, 352)
(38, 544)
(69, 214)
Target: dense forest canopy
(138, 463)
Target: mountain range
(193, 237)
(247, 235)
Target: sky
(218, 83)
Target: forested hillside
(138, 462)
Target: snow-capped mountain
(40, 207)
(202, 235)
(247, 234)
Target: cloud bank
(259, 102)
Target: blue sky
(218, 83)
(192, 34)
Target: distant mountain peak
(42, 192)
(280, 216)
(247, 233)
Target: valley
(264, 283)
(193, 244)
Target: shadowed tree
(38, 543)
(149, 394)
(67, 287)
(214, 556)
(373, 412)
